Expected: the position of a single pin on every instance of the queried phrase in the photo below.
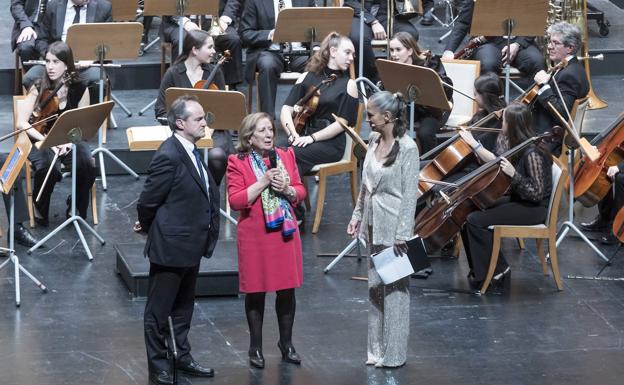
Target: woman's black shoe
(289, 354)
(502, 280)
(256, 359)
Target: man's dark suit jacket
(23, 13)
(257, 21)
(229, 8)
(51, 24)
(181, 219)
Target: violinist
(404, 49)
(564, 40)
(189, 68)
(323, 140)
(608, 207)
(527, 204)
(59, 63)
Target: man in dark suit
(263, 55)
(523, 53)
(179, 210)
(59, 16)
(564, 40)
(230, 11)
(25, 29)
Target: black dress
(334, 100)
(527, 204)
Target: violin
(479, 190)
(208, 84)
(49, 104)
(472, 45)
(591, 183)
(306, 106)
(530, 94)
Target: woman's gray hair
(178, 110)
(570, 34)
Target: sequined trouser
(388, 318)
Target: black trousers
(478, 239)
(370, 70)
(270, 66)
(21, 210)
(85, 177)
(171, 292)
(609, 206)
(529, 60)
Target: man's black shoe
(23, 236)
(192, 368)
(597, 225)
(161, 378)
(4, 253)
(427, 19)
(609, 239)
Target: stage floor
(88, 329)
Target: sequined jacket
(387, 200)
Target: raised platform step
(218, 276)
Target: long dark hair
(408, 41)
(318, 61)
(193, 39)
(519, 123)
(62, 51)
(490, 87)
(395, 105)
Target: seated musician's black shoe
(23, 236)
(597, 225)
(43, 222)
(162, 377)
(192, 368)
(502, 281)
(427, 19)
(448, 250)
(609, 239)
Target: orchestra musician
(384, 217)
(230, 11)
(523, 53)
(25, 28)
(190, 67)
(375, 27)
(527, 203)
(58, 17)
(323, 140)
(564, 40)
(404, 49)
(59, 63)
(263, 54)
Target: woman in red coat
(264, 185)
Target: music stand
(71, 127)
(504, 18)
(225, 110)
(308, 24)
(99, 42)
(177, 8)
(419, 85)
(8, 175)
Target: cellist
(609, 206)
(527, 203)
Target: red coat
(266, 260)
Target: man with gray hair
(179, 210)
(564, 41)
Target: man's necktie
(77, 16)
(200, 167)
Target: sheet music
(390, 267)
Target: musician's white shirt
(70, 13)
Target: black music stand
(504, 18)
(71, 127)
(8, 175)
(104, 41)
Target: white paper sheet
(390, 267)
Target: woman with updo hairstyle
(384, 217)
(323, 140)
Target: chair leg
(539, 242)
(458, 246)
(354, 189)
(249, 97)
(29, 197)
(554, 263)
(308, 206)
(94, 204)
(320, 202)
(493, 262)
(521, 244)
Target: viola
(530, 94)
(49, 104)
(591, 183)
(208, 83)
(618, 225)
(472, 45)
(306, 106)
(479, 190)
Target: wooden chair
(348, 164)
(577, 113)
(17, 102)
(17, 77)
(548, 231)
(463, 73)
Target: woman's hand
(378, 30)
(62, 149)
(353, 228)
(279, 183)
(542, 77)
(467, 137)
(400, 248)
(292, 137)
(268, 176)
(302, 141)
(507, 167)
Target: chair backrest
(463, 73)
(578, 113)
(18, 102)
(559, 180)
